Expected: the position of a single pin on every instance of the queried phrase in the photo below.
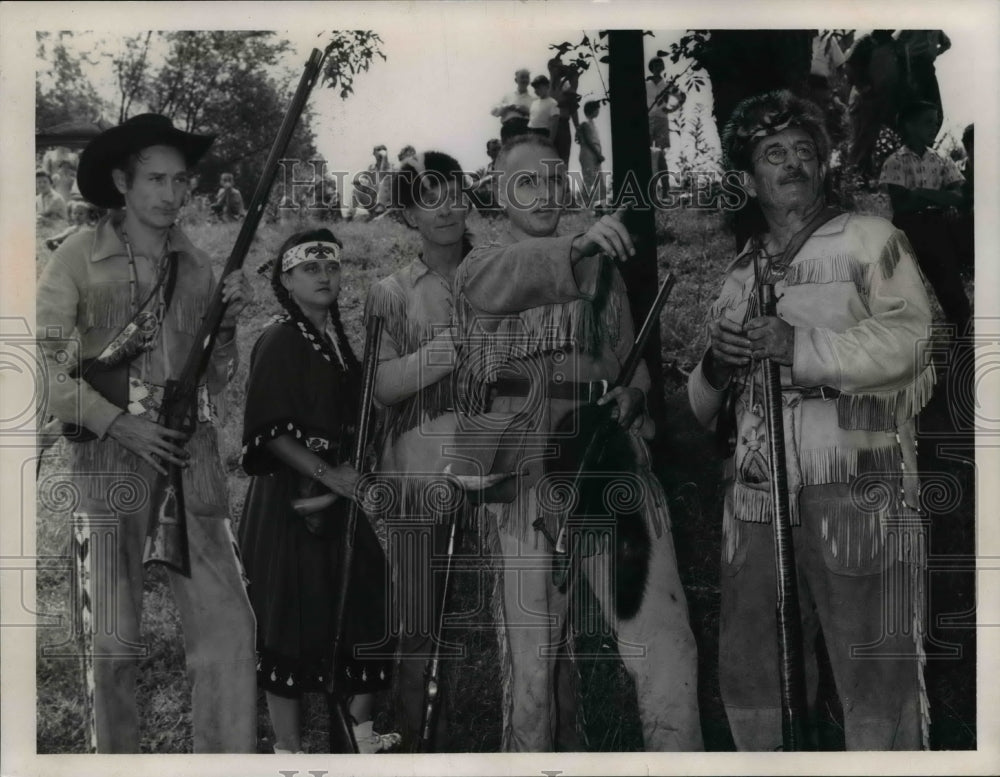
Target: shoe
(370, 742)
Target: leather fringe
(188, 312)
(505, 666)
(426, 405)
(885, 410)
(854, 537)
(753, 505)
(516, 517)
(97, 462)
(836, 465)
(828, 465)
(408, 496)
(895, 247)
(839, 268)
(108, 306)
(842, 268)
(581, 325)
(389, 303)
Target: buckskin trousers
(864, 608)
(656, 645)
(215, 614)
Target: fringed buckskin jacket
(413, 386)
(84, 301)
(861, 316)
(525, 309)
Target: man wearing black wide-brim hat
(128, 299)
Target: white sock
(364, 730)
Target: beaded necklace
(148, 322)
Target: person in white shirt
(514, 107)
(544, 115)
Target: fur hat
(768, 114)
(112, 147)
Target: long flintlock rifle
(166, 534)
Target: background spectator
(64, 179)
(228, 205)
(514, 107)
(79, 217)
(50, 207)
(919, 49)
(659, 92)
(544, 116)
(873, 69)
(371, 187)
(563, 82)
(591, 157)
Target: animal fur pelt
(609, 495)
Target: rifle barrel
(652, 319)
(339, 741)
(217, 308)
(789, 622)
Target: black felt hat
(112, 147)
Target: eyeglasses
(776, 155)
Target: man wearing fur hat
(852, 318)
(130, 295)
(544, 325)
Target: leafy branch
(349, 53)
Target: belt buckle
(590, 390)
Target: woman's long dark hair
(292, 308)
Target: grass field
(695, 246)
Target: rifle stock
(341, 734)
(166, 535)
(791, 668)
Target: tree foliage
(64, 93)
(348, 53)
(741, 63)
(231, 84)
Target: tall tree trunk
(630, 147)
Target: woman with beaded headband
(301, 404)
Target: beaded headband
(314, 251)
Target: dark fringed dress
(296, 388)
